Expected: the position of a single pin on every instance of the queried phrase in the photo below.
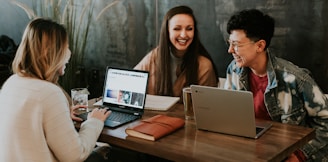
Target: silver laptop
(226, 111)
(124, 94)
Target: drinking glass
(80, 96)
(187, 103)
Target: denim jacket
(291, 96)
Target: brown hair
(190, 59)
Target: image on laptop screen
(125, 87)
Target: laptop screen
(126, 88)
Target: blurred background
(123, 33)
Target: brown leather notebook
(155, 127)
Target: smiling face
(247, 52)
(243, 50)
(181, 32)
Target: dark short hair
(256, 25)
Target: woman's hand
(74, 113)
(100, 114)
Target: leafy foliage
(77, 17)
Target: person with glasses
(282, 91)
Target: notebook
(226, 111)
(160, 103)
(154, 102)
(124, 94)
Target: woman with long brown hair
(180, 59)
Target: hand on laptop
(74, 114)
(100, 114)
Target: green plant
(77, 16)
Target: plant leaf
(29, 12)
(105, 8)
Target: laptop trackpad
(112, 123)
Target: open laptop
(124, 94)
(226, 111)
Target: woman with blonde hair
(35, 113)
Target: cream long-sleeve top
(35, 124)
(206, 73)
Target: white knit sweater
(35, 124)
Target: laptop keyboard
(121, 117)
(114, 116)
(258, 130)
(84, 116)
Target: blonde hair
(42, 51)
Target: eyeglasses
(236, 45)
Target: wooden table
(190, 144)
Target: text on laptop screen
(124, 87)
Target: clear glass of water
(80, 96)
